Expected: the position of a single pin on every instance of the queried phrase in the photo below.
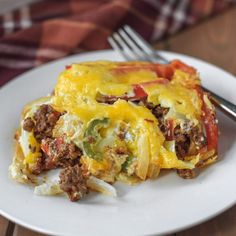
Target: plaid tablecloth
(51, 29)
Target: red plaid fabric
(51, 29)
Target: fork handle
(225, 106)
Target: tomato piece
(177, 64)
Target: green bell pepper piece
(126, 164)
(92, 138)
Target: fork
(133, 47)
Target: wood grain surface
(223, 225)
(214, 41)
(21, 231)
(3, 225)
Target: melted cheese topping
(78, 86)
(178, 97)
(77, 89)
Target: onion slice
(101, 186)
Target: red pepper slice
(45, 147)
(177, 64)
(208, 118)
(156, 81)
(139, 94)
(170, 132)
(139, 91)
(132, 67)
(211, 128)
(164, 71)
(68, 67)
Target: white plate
(165, 205)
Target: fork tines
(133, 47)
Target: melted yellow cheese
(78, 86)
(175, 95)
(76, 93)
(31, 157)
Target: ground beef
(160, 112)
(187, 174)
(109, 99)
(56, 153)
(28, 124)
(39, 166)
(182, 148)
(42, 122)
(73, 182)
(182, 142)
(184, 136)
(198, 137)
(59, 153)
(148, 105)
(45, 119)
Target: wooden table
(213, 40)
